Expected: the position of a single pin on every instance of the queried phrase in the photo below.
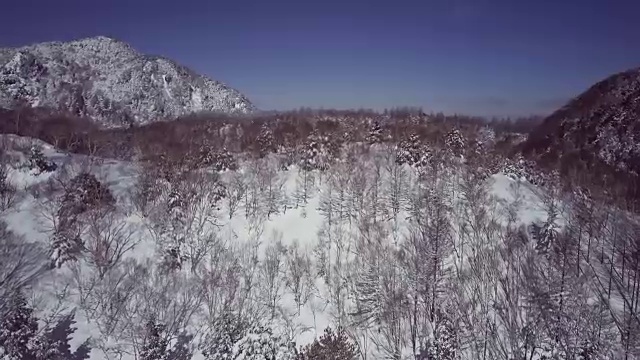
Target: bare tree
(299, 278)
(185, 224)
(272, 183)
(8, 192)
(253, 200)
(107, 238)
(21, 264)
(235, 190)
(272, 272)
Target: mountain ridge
(596, 134)
(109, 81)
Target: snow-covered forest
(329, 239)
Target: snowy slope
(599, 127)
(354, 223)
(110, 82)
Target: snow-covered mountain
(110, 82)
(600, 127)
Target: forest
(307, 235)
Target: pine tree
(330, 346)
(38, 162)
(18, 328)
(375, 135)
(20, 338)
(234, 338)
(444, 344)
(265, 141)
(262, 344)
(181, 350)
(455, 142)
(546, 234)
(409, 151)
(7, 190)
(56, 341)
(66, 246)
(155, 344)
(224, 160)
(173, 256)
(83, 194)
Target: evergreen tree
(18, 328)
(66, 246)
(7, 190)
(83, 194)
(234, 339)
(20, 338)
(375, 135)
(156, 345)
(330, 346)
(545, 235)
(444, 344)
(455, 142)
(38, 162)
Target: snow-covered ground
(333, 218)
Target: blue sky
(484, 57)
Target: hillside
(415, 248)
(110, 82)
(598, 130)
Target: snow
(118, 74)
(196, 99)
(301, 225)
(532, 208)
(166, 86)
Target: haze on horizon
(482, 57)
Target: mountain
(110, 82)
(596, 133)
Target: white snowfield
(295, 250)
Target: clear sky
(484, 57)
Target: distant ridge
(597, 134)
(110, 82)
